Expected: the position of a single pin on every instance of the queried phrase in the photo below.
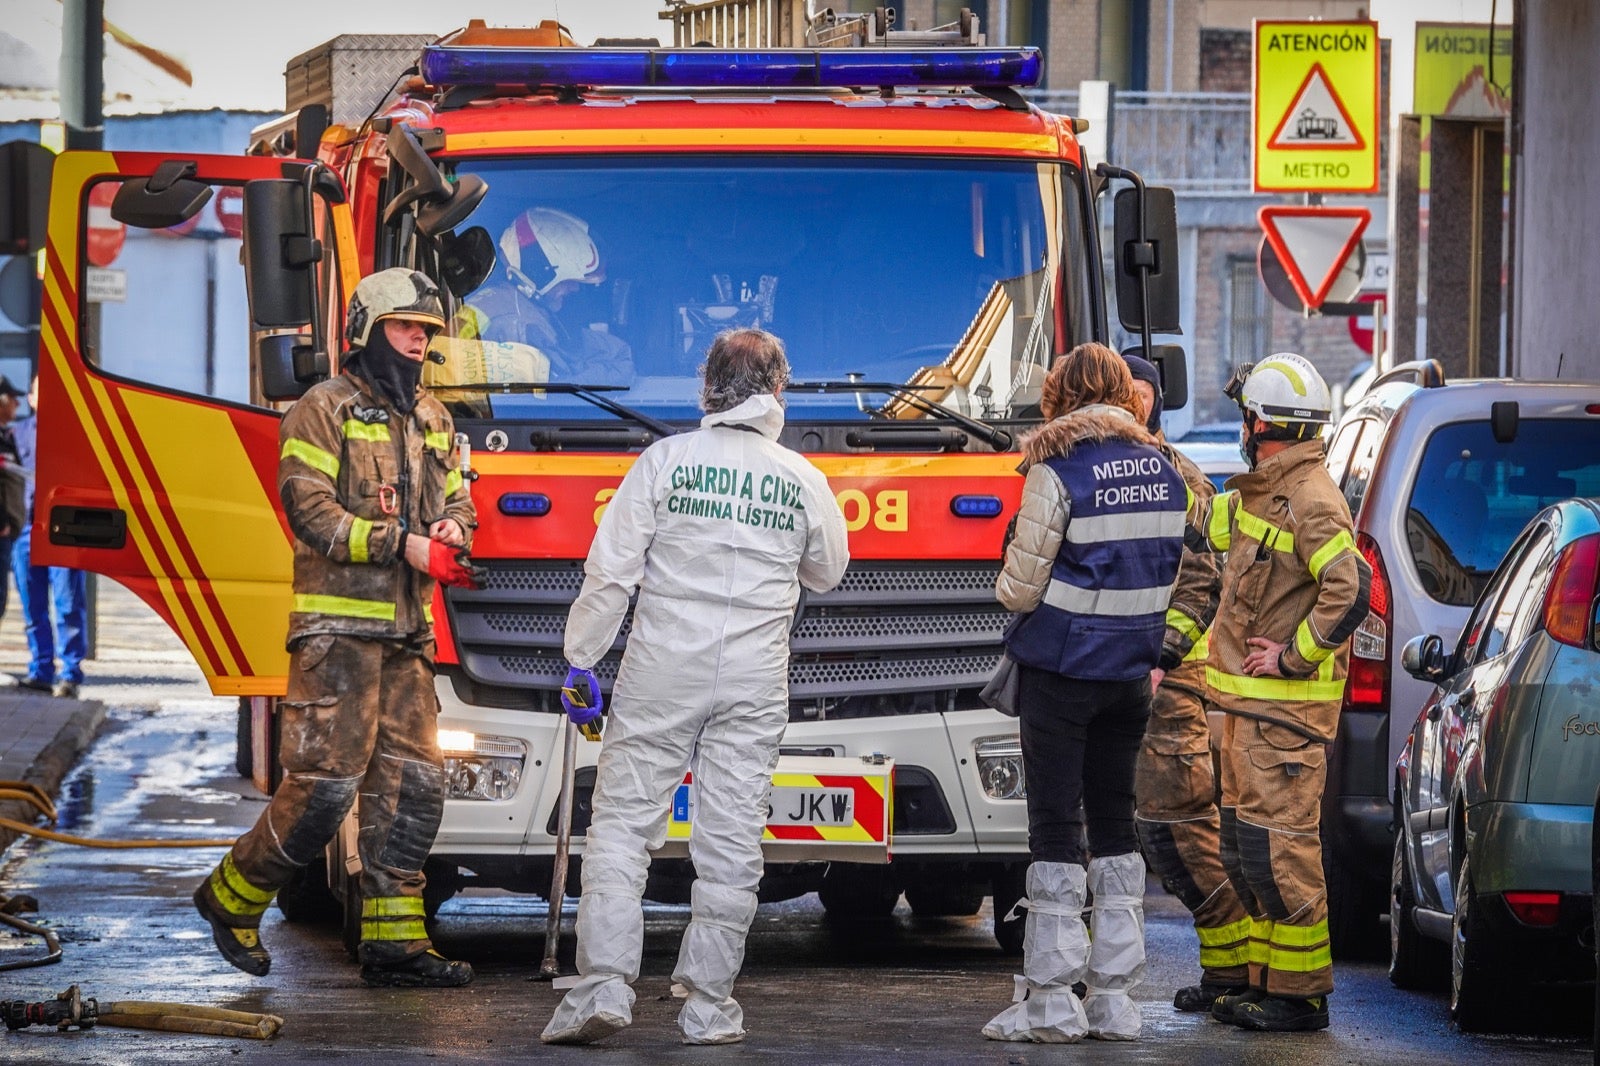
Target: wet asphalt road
(909, 991)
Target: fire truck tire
(351, 910)
(443, 882)
(242, 753)
(1008, 887)
(853, 892)
(951, 899)
(307, 899)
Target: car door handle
(88, 527)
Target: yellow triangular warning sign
(1317, 118)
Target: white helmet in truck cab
(1285, 391)
(544, 247)
(393, 293)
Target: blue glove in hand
(580, 696)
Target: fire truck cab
(924, 240)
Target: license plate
(790, 805)
(812, 806)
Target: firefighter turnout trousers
(1272, 780)
(1179, 826)
(360, 718)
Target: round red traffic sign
(104, 235)
(1361, 325)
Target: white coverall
(718, 529)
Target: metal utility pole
(82, 76)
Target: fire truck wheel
(950, 899)
(852, 892)
(242, 753)
(443, 882)
(306, 898)
(1009, 886)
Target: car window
(1477, 627)
(1519, 586)
(1530, 597)
(1474, 494)
(1340, 447)
(1363, 454)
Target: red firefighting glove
(454, 567)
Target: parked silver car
(1494, 788)
(1440, 478)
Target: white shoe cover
(1116, 953)
(1055, 948)
(709, 960)
(596, 1007)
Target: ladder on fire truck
(799, 24)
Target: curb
(51, 766)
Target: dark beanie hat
(1144, 370)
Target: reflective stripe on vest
(437, 439)
(452, 482)
(344, 606)
(1319, 689)
(1342, 542)
(1307, 645)
(375, 431)
(1219, 530)
(311, 455)
(360, 533)
(1098, 529)
(1265, 532)
(1121, 602)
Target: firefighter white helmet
(393, 293)
(544, 247)
(1284, 391)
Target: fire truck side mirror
(1174, 367)
(166, 198)
(1153, 259)
(441, 204)
(281, 254)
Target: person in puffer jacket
(1089, 570)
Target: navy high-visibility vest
(1105, 610)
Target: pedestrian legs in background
(41, 593)
(1055, 955)
(70, 610)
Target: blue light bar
(786, 68)
(975, 506)
(525, 504)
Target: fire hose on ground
(70, 1010)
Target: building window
(1125, 44)
(1249, 312)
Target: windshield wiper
(998, 439)
(589, 393)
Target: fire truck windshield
(945, 274)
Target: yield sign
(1316, 117)
(1313, 244)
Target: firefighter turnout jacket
(355, 476)
(1292, 575)
(1095, 551)
(1194, 597)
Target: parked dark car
(1495, 787)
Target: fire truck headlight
(1000, 767)
(478, 767)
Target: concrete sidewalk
(42, 737)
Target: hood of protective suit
(391, 375)
(1144, 370)
(761, 412)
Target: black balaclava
(393, 375)
(1144, 370)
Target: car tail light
(1535, 908)
(1570, 598)
(1367, 687)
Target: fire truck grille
(890, 629)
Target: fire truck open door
(165, 486)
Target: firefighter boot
(1283, 1014)
(426, 969)
(1055, 952)
(1226, 1008)
(1203, 995)
(233, 907)
(1116, 951)
(709, 961)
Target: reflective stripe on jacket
(1096, 548)
(355, 474)
(1293, 576)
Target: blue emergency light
(975, 506)
(786, 68)
(525, 504)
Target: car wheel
(1478, 1002)
(1356, 905)
(1008, 887)
(307, 898)
(1415, 961)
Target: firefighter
(372, 489)
(1090, 570)
(1175, 783)
(717, 530)
(1294, 589)
(547, 256)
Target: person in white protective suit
(717, 529)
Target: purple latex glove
(580, 696)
